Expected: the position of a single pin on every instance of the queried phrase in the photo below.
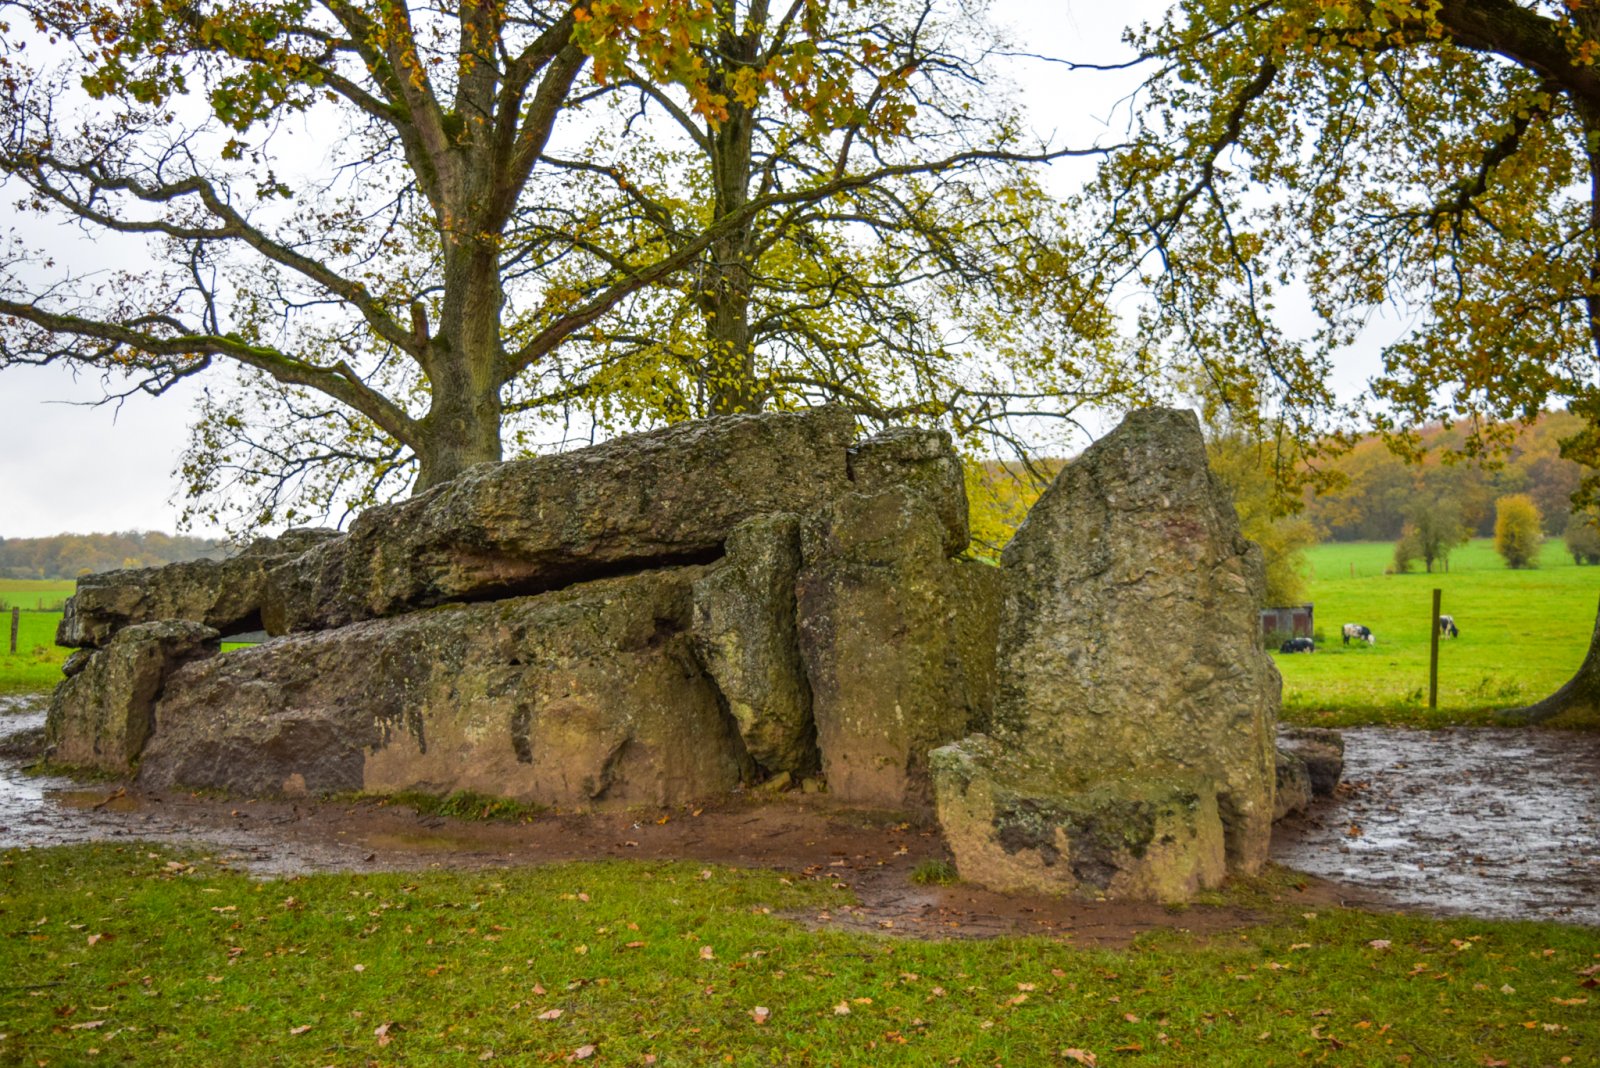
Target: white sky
(68, 466)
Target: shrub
(1583, 538)
(1518, 530)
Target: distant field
(36, 665)
(1523, 633)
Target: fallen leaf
(1379, 943)
(582, 1053)
(382, 1033)
(87, 1025)
(1508, 989)
(1026, 986)
(761, 1014)
(302, 1029)
(633, 945)
(552, 1014)
(1130, 1017)
(1082, 1056)
(707, 953)
(95, 938)
(360, 968)
(842, 1009)
(1570, 1001)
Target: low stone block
(588, 696)
(101, 714)
(923, 461)
(1293, 794)
(1321, 749)
(1010, 827)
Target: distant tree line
(66, 556)
(1379, 494)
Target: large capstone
(744, 632)
(1129, 669)
(102, 713)
(648, 500)
(222, 594)
(590, 695)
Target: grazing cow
(1447, 627)
(1360, 633)
(1298, 645)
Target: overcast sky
(69, 466)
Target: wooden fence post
(1433, 653)
(16, 620)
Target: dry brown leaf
(1082, 1056)
(552, 1014)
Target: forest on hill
(66, 556)
(1379, 488)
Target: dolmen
(665, 618)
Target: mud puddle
(1486, 822)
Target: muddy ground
(1402, 818)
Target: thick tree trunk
(1580, 694)
(464, 367)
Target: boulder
(586, 696)
(1322, 751)
(501, 530)
(223, 594)
(923, 461)
(101, 714)
(1138, 839)
(304, 592)
(744, 632)
(1293, 794)
(892, 672)
(1129, 665)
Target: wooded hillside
(66, 556)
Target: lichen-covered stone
(1119, 839)
(100, 715)
(305, 592)
(972, 624)
(1128, 653)
(223, 594)
(923, 461)
(647, 500)
(590, 695)
(1321, 749)
(1293, 794)
(877, 611)
(744, 631)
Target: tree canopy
(1436, 158)
(427, 236)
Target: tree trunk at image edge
(1580, 694)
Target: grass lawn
(123, 955)
(1523, 634)
(36, 665)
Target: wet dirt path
(1494, 823)
(1485, 822)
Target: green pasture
(1523, 634)
(130, 955)
(36, 665)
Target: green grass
(36, 665)
(123, 955)
(1523, 634)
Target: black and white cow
(1298, 645)
(1447, 627)
(1358, 632)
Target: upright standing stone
(101, 715)
(1129, 668)
(744, 632)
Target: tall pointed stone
(1129, 671)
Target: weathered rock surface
(499, 530)
(1128, 656)
(1157, 839)
(1293, 794)
(744, 632)
(923, 461)
(892, 674)
(100, 716)
(587, 695)
(224, 594)
(1321, 749)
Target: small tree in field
(1432, 530)
(1518, 530)
(1583, 538)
